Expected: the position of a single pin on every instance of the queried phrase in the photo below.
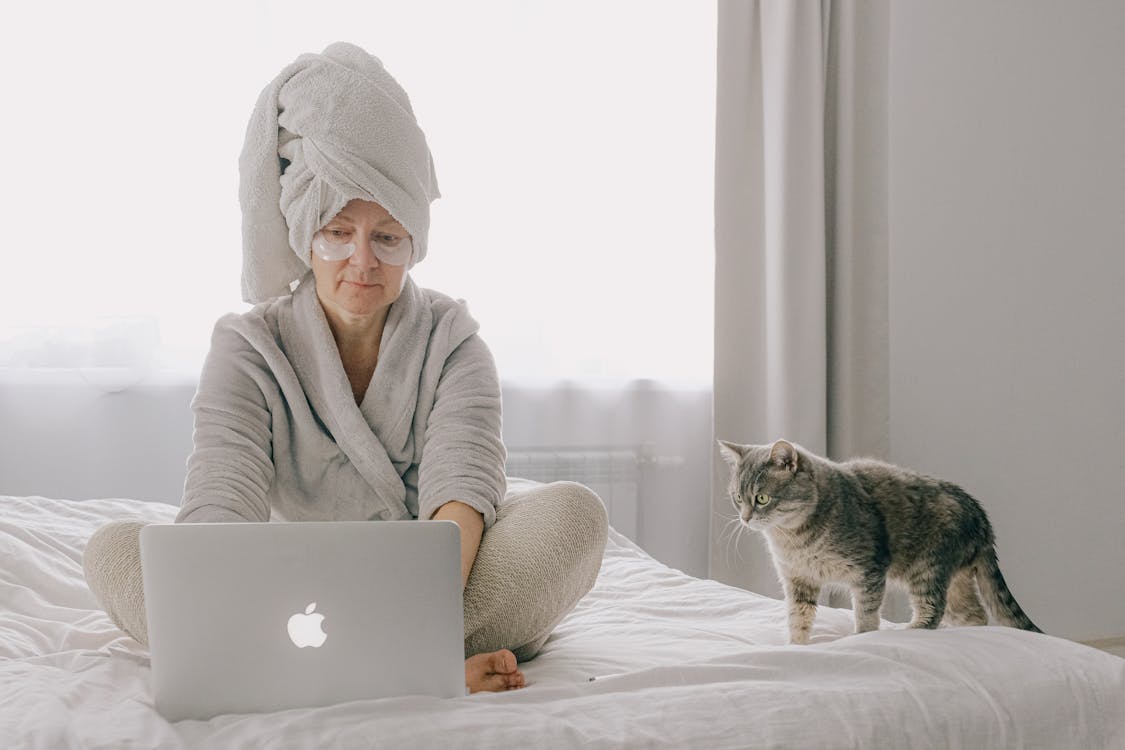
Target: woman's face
(361, 285)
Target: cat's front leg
(801, 595)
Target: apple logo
(305, 630)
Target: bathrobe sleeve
(463, 454)
(231, 467)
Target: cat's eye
(762, 500)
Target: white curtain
(801, 243)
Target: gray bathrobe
(278, 433)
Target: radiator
(615, 474)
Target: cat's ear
(784, 455)
(731, 452)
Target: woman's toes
(493, 672)
(503, 661)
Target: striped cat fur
(862, 523)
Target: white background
(573, 144)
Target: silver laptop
(255, 617)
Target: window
(573, 142)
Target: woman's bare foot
(493, 672)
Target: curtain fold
(801, 243)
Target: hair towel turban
(328, 129)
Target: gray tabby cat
(862, 522)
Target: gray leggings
(540, 557)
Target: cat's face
(770, 485)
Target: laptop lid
(256, 617)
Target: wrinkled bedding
(679, 661)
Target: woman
(349, 393)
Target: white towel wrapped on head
(330, 128)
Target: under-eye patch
(339, 244)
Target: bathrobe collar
(377, 435)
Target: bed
(679, 662)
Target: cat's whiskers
(736, 538)
(742, 529)
(726, 531)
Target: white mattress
(683, 663)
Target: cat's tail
(1001, 604)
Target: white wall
(1007, 267)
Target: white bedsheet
(683, 663)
